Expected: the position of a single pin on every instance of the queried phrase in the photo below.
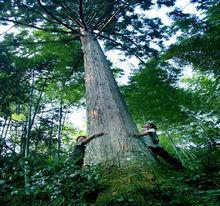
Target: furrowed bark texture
(106, 111)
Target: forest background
(42, 82)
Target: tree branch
(65, 7)
(7, 30)
(103, 16)
(36, 27)
(96, 13)
(91, 6)
(54, 17)
(110, 19)
(125, 37)
(46, 42)
(6, 146)
(36, 11)
(81, 13)
(123, 47)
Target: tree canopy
(117, 22)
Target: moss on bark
(124, 186)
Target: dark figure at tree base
(78, 153)
(150, 138)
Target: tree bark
(59, 138)
(107, 111)
(2, 134)
(28, 133)
(29, 118)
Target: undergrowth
(59, 183)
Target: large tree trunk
(106, 111)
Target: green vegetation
(42, 81)
(60, 183)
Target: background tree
(185, 105)
(85, 20)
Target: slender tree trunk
(59, 139)
(23, 138)
(29, 118)
(28, 132)
(51, 140)
(6, 130)
(2, 135)
(106, 111)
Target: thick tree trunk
(106, 111)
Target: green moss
(124, 186)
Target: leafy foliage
(199, 45)
(42, 72)
(51, 182)
(116, 22)
(152, 95)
